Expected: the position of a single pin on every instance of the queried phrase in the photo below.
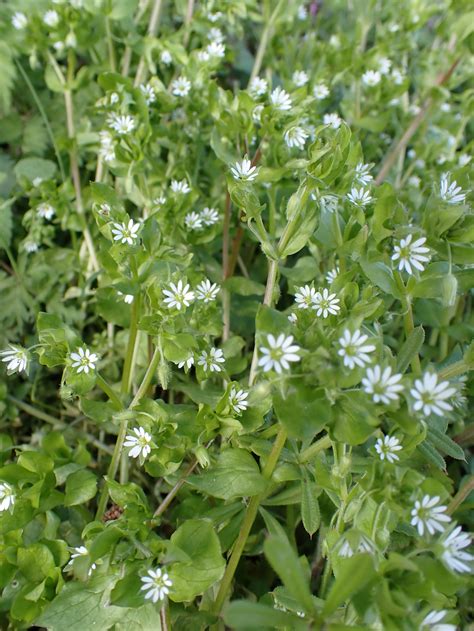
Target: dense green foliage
(236, 287)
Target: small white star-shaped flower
(125, 233)
(333, 120)
(411, 254)
(156, 585)
(238, 400)
(16, 359)
(325, 304)
(387, 448)
(295, 137)
(280, 99)
(450, 192)
(382, 385)
(429, 515)
(207, 291)
(181, 87)
(300, 78)
(7, 497)
(371, 78)
(305, 296)
(359, 197)
(244, 170)
(354, 349)
(211, 360)
(193, 221)
(278, 353)
(320, 91)
(83, 360)
(209, 216)
(139, 442)
(453, 554)
(180, 187)
(258, 87)
(430, 396)
(179, 296)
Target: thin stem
(153, 24)
(110, 46)
(453, 370)
(225, 268)
(187, 22)
(174, 491)
(132, 339)
(127, 55)
(408, 322)
(249, 518)
(164, 617)
(265, 38)
(461, 495)
(107, 388)
(314, 449)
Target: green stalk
(107, 388)
(110, 45)
(141, 73)
(453, 370)
(265, 38)
(314, 449)
(249, 518)
(408, 322)
(132, 339)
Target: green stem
(408, 322)
(461, 495)
(110, 46)
(314, 449)
(132, 339)
(107, 388)
(141, 73)
(187, 22)
(262, 46)
(249, 518)
(453, 370)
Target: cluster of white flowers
(198, 220)
(322, 301)
(16, 358)
(278, 353)
(411, 254)
(83, 360)
(180, 295)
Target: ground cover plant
(236, 287)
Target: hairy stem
(153, 24)
(174, 491)
(461, 495)
(314, 449)
(265, 38)
(110, 46)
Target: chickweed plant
(236, 287)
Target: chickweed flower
(209, 216)
(188, 363)
(397, 77)
(83, 360)
(193, 221)
(384, 65)
(181, 87)
(295, 137)
(107, 150)
(179, 296)
(333, 120)
(359, 197)
(19, 20)
(244, 170)
(166, 57)
(362, 174)
(428, 515)
(211, 360)
(278, 353)
(300, 78)
(432, 621)
(123, 125)
(7, 497)
(453, 554)
(148, 92)
(216, 49)
(139, 442)
(371, 78)
(258, 87)
(46, 211)
(156, 585)
(125, 233)
(215, 35)
(127, 298)
(80, 551)
(450, 192)
(325, 304)
(280, 99)
(51, 18)
(354, 349)
(207, 291)
(382, 385)
(293, 318)
(320, 91)
(305, 296)
(387, 448)
(430, 396)
(411, 254)
(332, 274)
(16, 359)
(237, 400)
(180, 187)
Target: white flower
(414, 109)
(216, 49)
(71, 40)
(203, 55)
(450, 192)
(325, 304)
(59, 46)
(371, 78)
(305, 296)
(410, 254)
(258, 87)
(302, 12)
(107, 151)
(244, 170)
(209, 216)
(188, 363)
(122, 124)
(83, 360)
(16, 359)
(159, 201)
(193, 221)
(359, 196)
(165, 57)
(293, 318)
(30, 246)
(445, 107)
(328, 202)
(207, 291)
(7, 496)
(335, 41)
(80, 551)
(387, 447)
(295, 137)
(51, 18)
(156, 584)
(215, 35)
(148, 92)
(453, 555)
(362, 175)
(414, 181)
(210, 360)
(332, 274)
(237, 400)
(127, 298)
(333, 120)
(320, 91)
(384, 65)
(214, 17)
(345, 551)
(139, 441)
(178, 296)
(125, 233)
(397, 77)
(430, 395)
(19, 20)
(279, 353)
(383, 386)
(280, 99)
(114, 98)
(427, 515)
(180, 187)
(433, 618)
(464, 159)
(354, 349)
(300, 78)
(181, 86)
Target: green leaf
(303, 410)
(33, 168)
(6, 224)
(442, 442)
(381, 275)
(430, 454)
(244, 286)
(410, 348)
(198, 540)
(80, 487)
(35, 562)
(287, 565)
(248, 616)
(354, 575)
(7, 76)
(236, 474)
(310, 513)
